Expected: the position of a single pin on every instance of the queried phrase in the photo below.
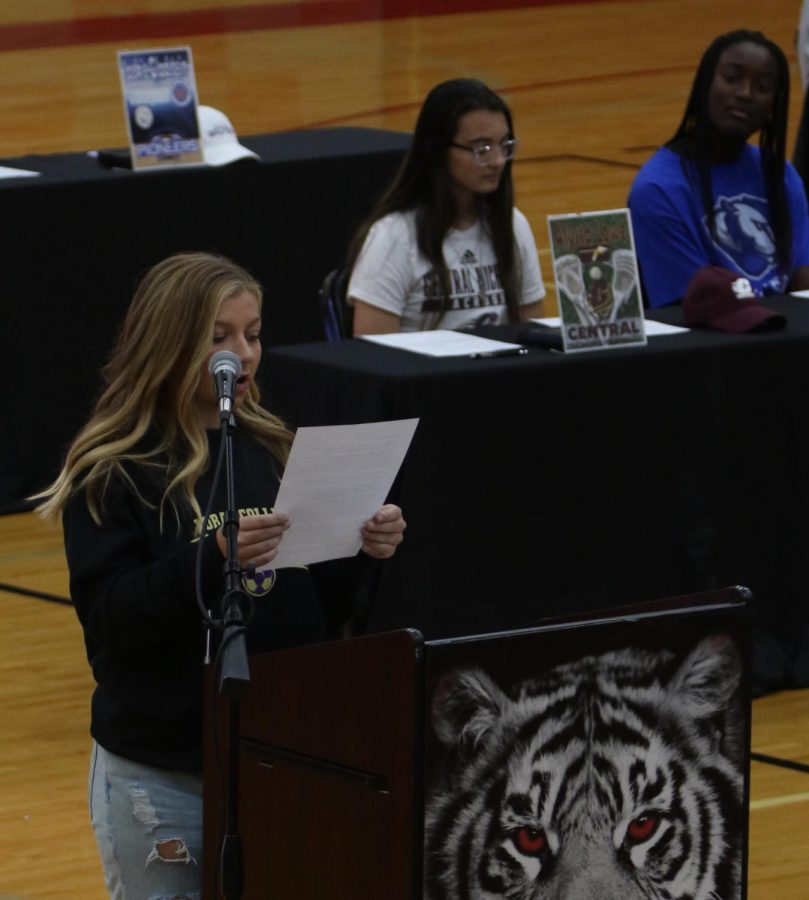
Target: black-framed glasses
(485, 153)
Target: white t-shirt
(391, 274)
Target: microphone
(225, 368)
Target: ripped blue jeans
(148, 826)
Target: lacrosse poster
(597, 284)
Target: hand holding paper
(257, 540)
(382, 534)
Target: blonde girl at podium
(131, 495)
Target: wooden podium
(329, 752)
(377, 768)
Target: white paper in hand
(336, 478)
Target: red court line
(293, 14)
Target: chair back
(337, 316)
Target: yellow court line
(780, 801)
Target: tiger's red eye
(529, 841)
(642, 828)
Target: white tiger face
(607, 778)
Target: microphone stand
(234, 673)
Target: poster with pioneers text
(597, 284)
(160, 105)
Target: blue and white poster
(160, 105)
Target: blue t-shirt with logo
(671, 231)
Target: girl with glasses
(445, 246)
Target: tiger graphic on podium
(614, 777)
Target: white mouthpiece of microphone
(225, 368)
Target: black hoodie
(133, 588)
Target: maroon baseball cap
(721, 299)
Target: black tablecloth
(549, 483)
(77, 238)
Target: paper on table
(653, 329)
(8, 172)
(336, 478)
(442, 342)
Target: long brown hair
(423, 185)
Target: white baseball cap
(220, 145)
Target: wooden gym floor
(594, 86)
